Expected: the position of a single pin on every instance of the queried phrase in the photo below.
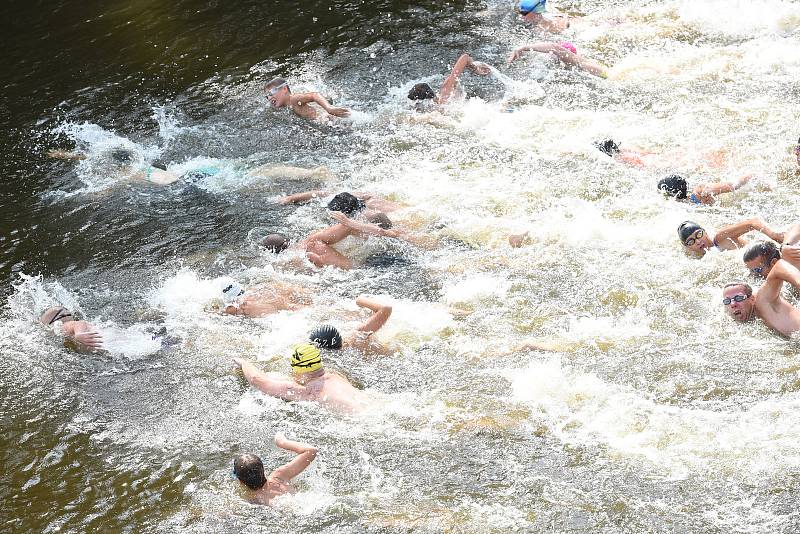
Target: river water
(656, 415)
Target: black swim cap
(327, 337)
(673, 185)
(686, 229)
(607, 147)
(346, 203)
(421, 91)
(276, 243)
(249, 469)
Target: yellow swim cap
(306, 358)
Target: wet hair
(421, 91)
(275, 82)
(122, 156)
(686, 229)
(381, 220)
(326, 337)
(249, 469)
(276, 243)
(766, 249)
(608, 147)
(346, 203)
(748, 290)
(673, 185)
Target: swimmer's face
(742, 310)
(698, 242)
(759, 266)
(278, 96)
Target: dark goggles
(694, 237)
(736, 298)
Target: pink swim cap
(569, 46)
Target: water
(657, 415)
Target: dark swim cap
(673, 185)
(346, 203)
(276, 243)
(686, 229)
(421, 91)
(327, 337)
(381, 220)
(607, 147)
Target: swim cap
(306, 358)
(276, 243)
(569, 46)
(327, 337)
(231, 292)
(673, 185)
(346, 203)
(421, 91)
(532, 6)
(608, 147)
(686, 229)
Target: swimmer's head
(276, 243)
(421, 91)
(673, 186)
(327, 337)
(381, 220)
(346, 203)
(56, 313)
(693, 237)
(761, 256)
(737, 297)
(566, 45)
(278, 92)
(306, 358)
(526, 7)
(249, 469)
(608, 147)
(231, 292)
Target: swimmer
(347, 203)
(280, 96)
(698, 241)
(124, 162)
(674, 186)
(264, 300)
(533, 11)
(761, 256)
(642, 158)
(564, 52)
(310, 382)
(249, 470)
(742, 305)
(328, 337)
(423, 93)
(83, 334)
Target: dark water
(658, 416)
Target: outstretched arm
(563, 55)
(734, 232)
(320, 100)
(283, 389)
(65, 154)
(331, 235)
(716, 188)
(298, 198)
(380, 314)
(305, 455)
(361, 227)
(781, 272)
(465, 61)
(84, 334)
(518, 240)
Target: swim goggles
(274, 90)
(60, 314)
(736, 298)
(694, 237)
(758, 270)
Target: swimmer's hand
(516, 54)
(280, 440)
(340, 217)
(91, 340)
(338, 112)
(791, 253)
(239, 362)
(480, 68)
(517, 240)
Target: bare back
(335, 392)
(275, 487)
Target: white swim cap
(231, 292)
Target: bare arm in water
(361, 227)
(450, 84)
(305, 455)
(299, 198)
(563, 55)
(282, 389)
(380, 314)
(307, 98)
(707, 192)
(84, 334)
(731, 235)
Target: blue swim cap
(532, 6)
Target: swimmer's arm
(717, 188)
(331, 235)
(298, 198)
(364, 228)
(84, 334)
(320, 100)
(66, 154)
(305, 455)
(465, 61)
(380, 314)
(283, 389)
(734, 232)
(518, 240)
(781, 272)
